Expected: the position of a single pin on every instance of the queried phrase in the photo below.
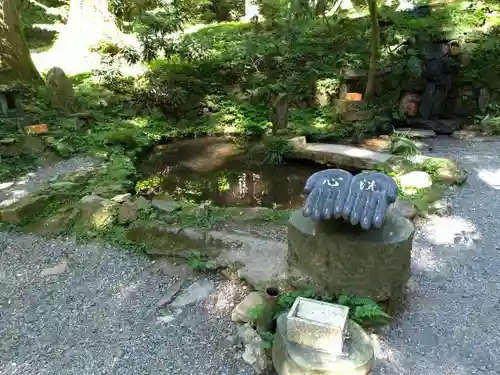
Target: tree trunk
(15, 57)
(375, 46)
(221, 10)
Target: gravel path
(12, 191)
(71, 309)
(450, 324)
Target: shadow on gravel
(452, 303)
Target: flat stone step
(416, 133)
(347, 157)
(21, 199)
(475, 136)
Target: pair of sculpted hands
(362, 199)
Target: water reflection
(201, 170)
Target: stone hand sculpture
(327, 191)
(369, 196)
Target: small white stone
(415, 180)
(240, 312)
(56, 270)
(166, 318)
(197, 291)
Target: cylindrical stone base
(344, 259)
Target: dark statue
(362, 199)
(326, 193)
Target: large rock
(250, 255)
(343, 259)
(130, 210)
(442, 126)
(98, 212)
(59, 89)
(158, 238)
(167, 206)
(255, 353)
(113, 189)
(247, 254)
(404, 208)
(240, 312)
(55, 224)
(24, 209)
(354, 159)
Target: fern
(401, 145)
(364, 311)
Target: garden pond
(223, 172)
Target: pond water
(216, 170)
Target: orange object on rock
(355, 96)
(37, 129)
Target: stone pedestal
(352, 110)
(344, 259)
(10, 102)
(293, 359)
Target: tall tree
(15, 57)
(375, 46)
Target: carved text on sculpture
(333, 182)
(368, 185)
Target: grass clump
(275, 150)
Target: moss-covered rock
(442, 170)
(25, 209)
(447, 171)
(113, 189)
(66, 187)
(80, 177)
(161, 239)
(98, 212)
(55, 224)
(130, 210)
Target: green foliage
(150, 184)
(286, 301)
(491, 124)
(275, 150)
(432, 167)
(274, 215)
(203, 216)
(198, 72)
(424, 199)
(267, 339)
(402, 145)
(362, 310)
(275, 9)
(176, 88)
(255, 313)
(198, 261)
(155, 30)
(33, 13)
